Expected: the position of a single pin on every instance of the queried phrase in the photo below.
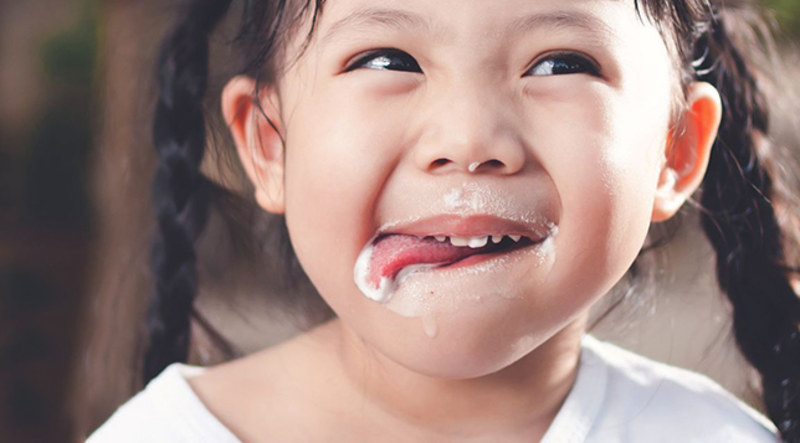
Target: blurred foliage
(787, 12)
(69, 56)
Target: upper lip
(471, 226)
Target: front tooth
(440, 238)
(516, 238)
(478, 242)
(497, 239)
(459, 241)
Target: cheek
(342, 147)
(605, 164)
(336, 168)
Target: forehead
(505, 18)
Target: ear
(688, 152)
(248, 114)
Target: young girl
(461, 180)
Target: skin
(593, 152)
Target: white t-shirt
(618, 396)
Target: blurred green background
(74, 82)
(787, 13)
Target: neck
(520, 400)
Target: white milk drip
(387, 286)
(429, 325)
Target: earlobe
(254, 124)
(688, 152)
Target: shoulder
(656, 402)
(167, 410)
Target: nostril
(486, 166)
(439, 162)
(493, 164)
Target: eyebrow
(560, 20)
(399, 19)
(389, 18)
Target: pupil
(565, 67)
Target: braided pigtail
(180, 191)
(739, 219)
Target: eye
(385, 59)
(562, 64)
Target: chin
(466, 345)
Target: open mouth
(392, 255)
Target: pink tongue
(394, 252)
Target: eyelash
(558, 63)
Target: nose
(473, 132)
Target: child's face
(564, 104)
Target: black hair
(180, 191)
(737, 198)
